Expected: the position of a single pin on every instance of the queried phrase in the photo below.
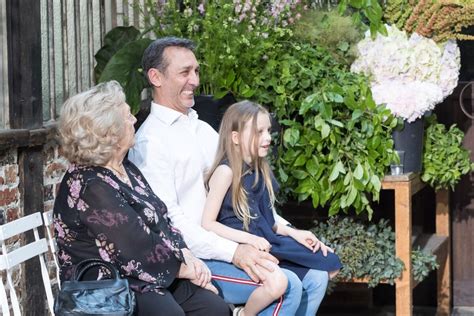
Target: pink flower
(146, 277)
(75, 188)
(112, 183)
(104, 255)
(201, 8)
(70, 201)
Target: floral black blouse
(97, 215)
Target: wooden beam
(24, 62)
(16, 138)
(26, 113)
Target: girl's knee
(276, 283)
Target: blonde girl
(240, 203)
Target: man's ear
(155, 77)
(235, 138)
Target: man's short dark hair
(153, 56)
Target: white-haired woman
(106, 209)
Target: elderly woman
(106, 209)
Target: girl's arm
(219, 184)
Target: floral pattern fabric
(96, 215)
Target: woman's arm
(219, 184)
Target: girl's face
(261, 141)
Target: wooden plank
(31, 191)
(24, 60)
(444, 271)
(404, 284)
(16, 138)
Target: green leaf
(291, 136)
(325, 130)
(300, 161)
(124, 67)
(376, 182)
(358, 172)
(114, 40)
(299, 174)
(311, 166)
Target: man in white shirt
(173, 149)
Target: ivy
(369, 251)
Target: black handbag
(111, 297)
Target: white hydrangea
(410, 75)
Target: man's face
(176, 85)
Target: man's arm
(157, 167)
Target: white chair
(48, 222)
(8, 260)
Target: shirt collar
(169, 116)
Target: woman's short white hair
(91, 124)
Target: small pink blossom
(110, 181)
(104, 255)
(201, 8)
(75, 188)
(70, 201)
(146, 277)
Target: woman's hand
(258, 243)
(309, 240)
(196, 271)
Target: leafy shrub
(369, 251)
(336, 143)
(445, 160)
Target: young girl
(240, 202)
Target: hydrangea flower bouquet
(410, 74)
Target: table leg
(403, 232)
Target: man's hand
(251, 260)
(194, 269)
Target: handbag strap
(83, 266)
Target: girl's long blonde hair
(234, 120)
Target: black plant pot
(410, 140)
(212, 110)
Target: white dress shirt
(174, 151)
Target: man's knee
(316, 279)
(294, 287)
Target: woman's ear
(154, 75)
(235, 138)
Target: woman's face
(128, 139)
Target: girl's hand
(259, 243)
(309, 240)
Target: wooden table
(405, 186)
